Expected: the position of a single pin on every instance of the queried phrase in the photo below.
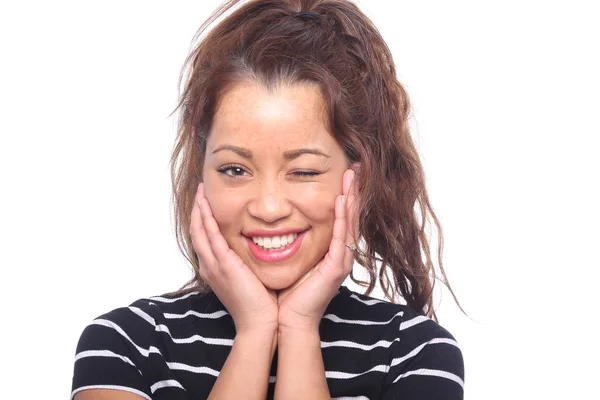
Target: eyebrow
(288, 155)
(238, 150)
(292, 154)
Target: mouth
(274, 242)
(275, 248)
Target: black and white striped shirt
(174, 347)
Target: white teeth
(267, 243)
(274, 242)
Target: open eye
(232, 170)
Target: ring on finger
(351, 246)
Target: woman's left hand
(301, 306)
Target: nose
(270, 202)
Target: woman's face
(271, 174)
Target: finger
(347, 181)
(198, 233)
(351, 236)
(349, 188)
(336, 256)
(350, 184)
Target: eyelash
(307, 173)
(224, 169)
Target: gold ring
(351, 246)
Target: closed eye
(306, 173)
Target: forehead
(289, 115)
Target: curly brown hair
(333, 44)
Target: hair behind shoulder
(332, 44)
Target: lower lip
(275, 255)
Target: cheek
(225, 206)
(317, 205)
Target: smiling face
(271, 174)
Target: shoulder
(376, 312)
(116, 349)
(406, 322)
(141, 319)
(425, 359)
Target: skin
(273, 305)
(268, 191)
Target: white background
(505, 115)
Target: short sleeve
(111, 353)
(426, 363)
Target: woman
(293, 160)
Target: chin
(278, 280)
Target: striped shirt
(173, 347)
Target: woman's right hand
(252, 307)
